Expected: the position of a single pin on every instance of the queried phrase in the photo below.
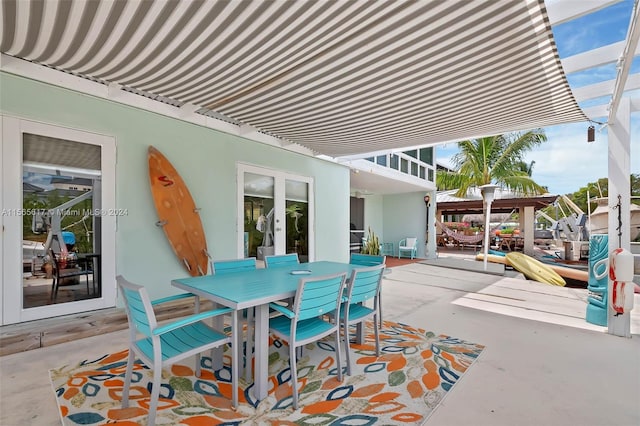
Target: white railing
(406, 164)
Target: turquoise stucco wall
(405, 216)
(396, 216)
(373, 215)
(206, 159)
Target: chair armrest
(284, 311)
(190, 320)
(172, 298)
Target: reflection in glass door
(259, 215)
(277, 213)
(297, 217)
(61, 194)
(59, 220)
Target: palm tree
(495, 159)
(527, 168)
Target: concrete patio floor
(543, 371)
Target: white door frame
(279, 206)
(11, 201)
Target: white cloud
(567, 162)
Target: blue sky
(566, 162)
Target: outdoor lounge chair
(408, 245)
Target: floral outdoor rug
(404, 385)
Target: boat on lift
(599, 218)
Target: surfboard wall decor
(177, 214)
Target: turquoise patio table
(257, 288)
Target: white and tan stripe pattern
(338, 77)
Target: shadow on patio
(532, 372)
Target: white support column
(619, 171)
(528, 228)
(431, 247)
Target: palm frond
(522, 184)
(497, 158)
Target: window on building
(426, 155)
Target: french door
(58, 218)
(275, 213)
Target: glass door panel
(58, 193)
(297, 215)
(60, 230)
(275, 213)
(259, 215)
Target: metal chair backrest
(138, 307)
(367, 259)
(235, 265)
(318, 296)
(315, 297)
(364, 284)
(281, 260)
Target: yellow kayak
(534, 269)
(493, 258)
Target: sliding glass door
(275, 213)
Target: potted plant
(372, 245)
(506, 232)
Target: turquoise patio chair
(408, 245)
(370, 260)
(278, 260)
(367, 259)
(281, 260)
(221, 267)
(161, 345)
(234, 265)
(308, 321)
(387, 249)
(364, 286)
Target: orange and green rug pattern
(404, 385)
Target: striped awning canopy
(340, 78)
